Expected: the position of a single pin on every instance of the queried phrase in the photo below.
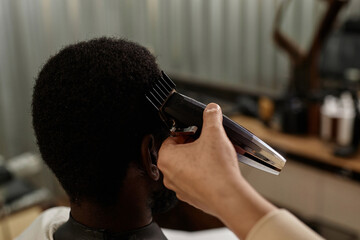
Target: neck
(130, 212)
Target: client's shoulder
(46, 224)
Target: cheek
(163, 201)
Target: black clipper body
(181, 112)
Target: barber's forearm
(241, 207)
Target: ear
(149, 157)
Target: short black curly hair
(90, 114)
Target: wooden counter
(13, 225)
(305, 147)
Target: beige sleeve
(280, 224)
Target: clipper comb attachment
(159, 93)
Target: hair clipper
(184, 116)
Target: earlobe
(148, 159)
(155, 172)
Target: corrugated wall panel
(220, 41)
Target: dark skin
(132, 210)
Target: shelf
(309, 149)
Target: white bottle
(328, 113)
(346, 120)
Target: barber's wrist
(228, 193)
(242, 207)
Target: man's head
(91, 117)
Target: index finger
(174, 141)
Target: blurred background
(287, 70)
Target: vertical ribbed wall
(223, 41)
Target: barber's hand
(200, 171)
(205, 173)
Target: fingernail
(212, 107)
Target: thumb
(212, 117)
